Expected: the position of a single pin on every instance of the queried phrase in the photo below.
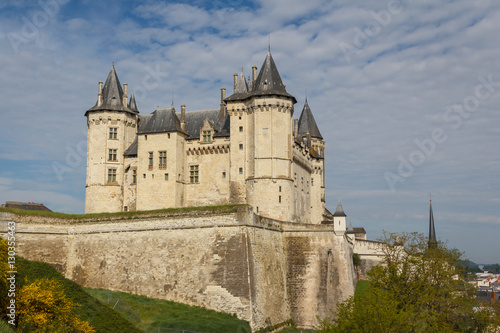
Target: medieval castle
(279, 256)
(248, 151)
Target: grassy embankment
(128, 215)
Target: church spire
(432, 231)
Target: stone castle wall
(263, 270)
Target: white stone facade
(249, 151)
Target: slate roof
(132, 150)
(160, 121)
(195, 119)
(112, 96)
(268, 82)
(131, 104)
(167, 120)
(308, 124)
(339, 211)
(26, 205)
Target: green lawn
(127, 215)
(295, 330)
(361, 286)
(149, 314)
(101, 317)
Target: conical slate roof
(241, 86)
(131, 104)
(339, 211)
(308, 124)
(112, 96)
(432, 231)
(112, 91)
(268, 82)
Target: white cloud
(371, 110)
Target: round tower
(111, 129)
(263, 115)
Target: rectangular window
(279, 199)
(193, 174)
(241, 146)
(241, 128)
(111, 175)
(207, 136)
(113, 133)
(134, 176)
(150, 163)
(163, 159)
(112, 155)
(240, 171)
(224, 174)
(166, 176)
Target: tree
(414, 289)
(44, 307)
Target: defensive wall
(232, 260)
(370, 254)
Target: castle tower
(261, 142)
(309, 134)
(339, 220)
(111, 124)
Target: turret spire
(339, 211)
(111, 96)
(308, 124)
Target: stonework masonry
(265, 271)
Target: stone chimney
(235, 75)
(222, 113)
(254, 74)
(183, 117)
(99, 95)
(296, 129)
(125, 98)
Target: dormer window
(207, 136)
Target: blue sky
(406, 94)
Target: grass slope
(100, 316)
(156, 313)
(360, 287)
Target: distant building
(25, 205)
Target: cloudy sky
(406, 94)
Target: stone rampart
(265, 271)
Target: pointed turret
(131, 104)
(308, 124)
(339, 220)
(269, 81)
(112, 91)
(241, 85)
(111, 96)
(339, 211)
(432, 231)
